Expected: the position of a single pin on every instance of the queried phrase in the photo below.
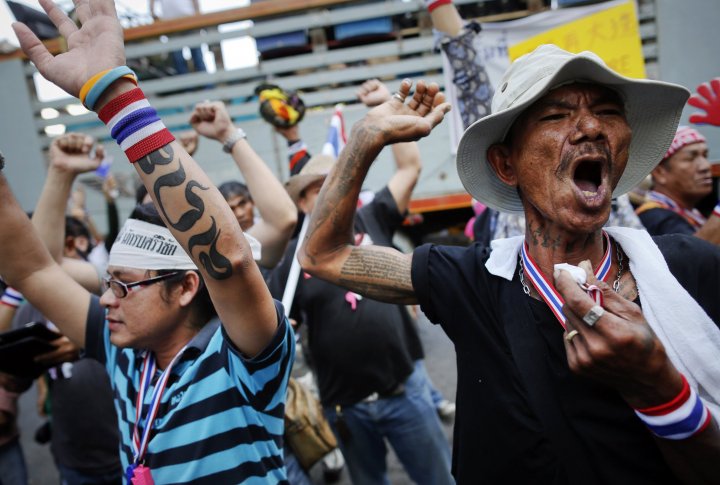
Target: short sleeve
(263, 378)
(382, 212)
(95, 338)
(663, 221)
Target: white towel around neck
(690, 337)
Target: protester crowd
(585, 328)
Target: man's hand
(373, 92)
(71, 153)
(620, 349)
(707, 99)
(290, 133)
(212, 120)
(398, 120)
(95, 47)
(65, 351)
(189, 140)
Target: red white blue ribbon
(681, 418)
(140, 443)
(548, 292)
(693, 216)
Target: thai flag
(336, 138)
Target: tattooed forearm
(216, 265)
(163, 156)
(378, 273)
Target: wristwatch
(2, 161)
(233, 139)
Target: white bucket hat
(652, 108)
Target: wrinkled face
(142, 319)
(306, 203)
(687, 173)
(243, 208)
(566, 154)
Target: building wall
(687, 51)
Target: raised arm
(277, 210)
(27, 265)
(69, 156)
(407, 155)
(328, 250)
(192, 208)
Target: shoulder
(435, 267)
(686, 250)
(658, 221)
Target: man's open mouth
(588, 177)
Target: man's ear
(499, 157)
(659, 174)
(190, 286)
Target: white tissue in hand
(577, 273)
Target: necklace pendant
(142, 476)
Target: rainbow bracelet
(11, 297)
(96, 85)
(135, 125)
(684, 416)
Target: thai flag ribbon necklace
(548, 293)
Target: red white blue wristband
(679, 419)
(716, 210)
(12, 298)
(135, 125)
(431, 5)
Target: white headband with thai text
(148, 246)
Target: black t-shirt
(659, 221)
(522, 416)
(355, 352)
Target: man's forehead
(120, 271)
(697, 147)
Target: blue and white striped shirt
(221, 415)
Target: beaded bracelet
(681, 418)
(96, 85)
(11, 297)
(135, 125)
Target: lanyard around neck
(140, 444)
(548, 292)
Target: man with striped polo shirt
(197, 350)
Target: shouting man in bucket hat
(584, 355)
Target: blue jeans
(409, 423)
(13, 470)
(181, 64)
(435, 395)
(295, 474)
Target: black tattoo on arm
(378, 273)
(216, 264)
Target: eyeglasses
(120, 289)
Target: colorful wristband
(431, 5)
(679, 419)
(716, 210)
(135, 125)
(96, 85)
(11, 297)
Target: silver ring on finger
(399, 97)
(593, 315)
